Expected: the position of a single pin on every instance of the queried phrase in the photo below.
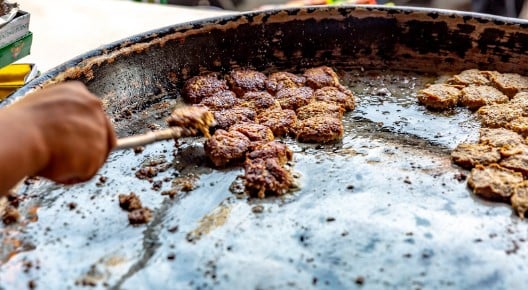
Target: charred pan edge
(420, 39)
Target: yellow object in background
(14, 76)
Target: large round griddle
(382, 209)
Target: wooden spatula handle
(151, 137)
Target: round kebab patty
(494, 182)
(439, 96)
(200, 87)
(242, 81)
(283, 80)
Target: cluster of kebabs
(251, 109)
(499, 161)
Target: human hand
(75, 134)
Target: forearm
(21, 148)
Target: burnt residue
(516, 41)
(489, 40)
(433, 15)
(435, 37)
(466, 28)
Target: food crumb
(72, 205)
(10, 216)
(32, 284)
(102, 181)
(129, 202)
(156, 185)
(139, 149)
(140, 216)
(147, 172)
(171, 192)
(460, 176)
(27, 265)
(91, 278)
(187, 185)
(257, 209)
(360, 280)
(173, 229)
(513, 250)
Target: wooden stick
(151, 137)
(3, 205)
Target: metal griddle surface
(383, 205)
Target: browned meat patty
(439, 96)
(256, 133)
(260, 101)
(510, 150)
(274, 149)
(229, 117)
(320, 77)
(199, 87)
(470, 77)
(337, 96)
(520, 100)
(494, 182)
(320, 129)
(519, 199)
(499, 137)
(475, 97)
(293, 98)
(220, 101)
(283, 80)
(242, 81)
(498, 115)
(469, 155)
(193, 118)
(319, 108)
(226, 147)
(517, 162)
(266, 176)
(508, 83)
(519, 125)
(281, 122)
(129, 202)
